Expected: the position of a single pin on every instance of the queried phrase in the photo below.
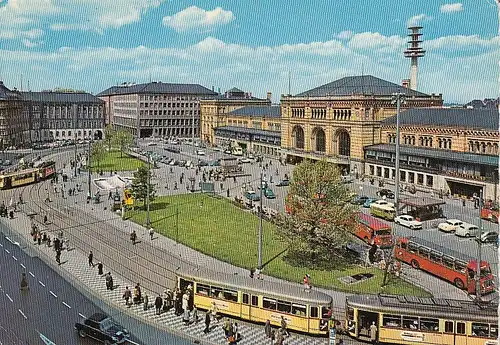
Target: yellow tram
(258, 300)
(41, 171)
(414, 320)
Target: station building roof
(158, 88)
(60, 97)
(259, 111)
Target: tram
(415, 320)
(256, 300)
(42, 171)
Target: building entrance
(463, 189)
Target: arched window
(344, 143)
(318, 135)
(298, 137)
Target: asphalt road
(52, 306)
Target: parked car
(368, 202)
(408, 221)
(200, 152)
(251, 195)
(245, 160)
(263, 186)
(450, 225)
(386, 192)
(489, 237)
(383, 202)
(173, 162)
(268, 192)
(347, 179)
(283, 183)
(467, 230)
(102, 328)
(152, 143)
(202, 163)
(359, 199)
(228, 151)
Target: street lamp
(89, 165)
(398, 99)
(148, 219)
(259, 263)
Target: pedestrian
(214, 312)
(126, 296)
(175, 186)
(227, 328)
(58, 256)
(195, 314)
(133, 237)
(91, 258)
(227, 192)
(283, 327)
(24, 282)
(280, 338)
(373, 333)
(207, 322)
(158, 304)
(185, 316)
(146, 302)
(235, 332)
(151, 233)
(45, 219)
(109, 281)
(307, 283)
(267, 328)
(48, 240)
(99, 268)
(39, 238)
(252, 271)
(110, 195)
(463, 202)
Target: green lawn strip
(219, 229)
(113, 161)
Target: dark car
(283, 183)
(359, 199)
(102, 328)
(386, 192)
(489, 237)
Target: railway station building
(217, 112)
(155, 109)
(14, 123)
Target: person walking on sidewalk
(109, 281)
(158, 304)
(133, 236)
(100, 268)
(126, 296)
(151, 233)
(146, 302)
(207, 322)
(58, 256)
(267, 328)
(195, 314)
(91, 258)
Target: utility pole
(479, 251)
(148, 219)
(397, 98)
(177, 225)
(90, 167)
(75, 157)
(259, 264)
(192, 134)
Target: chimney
(405, 83)
(268, 96)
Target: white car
(383, 202)
(450, 225)
(408, 221)
(152, 143)
(200, 152)
(245, 160)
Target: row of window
(166, 98)
(170, 122)
(81, 124)
(164, 112)
(435, 256)
(407, 177)
(267, 303)
(168, 105)
(79, 133)
(432, 325)
(317, 113)
(483, 147)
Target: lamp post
(89, 167)
(479, 249)
(398, 99)
(192, 134)
(259, 263)
(75, 157)
(148, 219)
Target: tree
(98, 152)
(122, 139)
(109, 133)
(139, 185)
(320, 217)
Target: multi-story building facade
(213, 111)
(63, 115)
(14, 123)
(256, 129)
(451, 150)
(337, 120)
(156, 108)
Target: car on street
(347, 179)
(250, 156)
(489, 237)
(450, 225)
(467, 230)
(102, 328)
(264, 185)
(200, 152)
(202, 163)
(283, 183)
(228, 151)
(359, 199)
(152, 143)
(383, 202)
(251, 195)
(408, 221)
(268, 192)
(245, 160)
(368, 202)
(386, 192)
(173, 162)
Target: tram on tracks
(257, 300)
(415, 320)
(40, 171)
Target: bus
(490, 212)
(371, 230)
(257, 300)
(387, 211)
(457, 268)
(415, 320)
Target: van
(467, 230)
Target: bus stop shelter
(423, 208)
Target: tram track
(153, 267)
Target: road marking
(82, 315)
(67, 305)
(23, 266)
(448, 234)
(464, 239)
(7, 251)
(1, 245)
(23, 314)
(31, 274)
(132, 342)
(14, 257)
(8, 239)
(53, 294)
(9, 297)
(42, 284)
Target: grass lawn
(220, 229)
(113, 162)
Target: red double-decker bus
(373, 230)
(450, 265)
(490, 212)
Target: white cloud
(418, 19)
(31, 44)
(195, 18)
(453, 44)
(449, 8)
(375, 40)
(344, 35)
(33, 33)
